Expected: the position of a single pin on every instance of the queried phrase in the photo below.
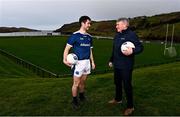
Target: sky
(52, 14)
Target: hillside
(147, 27)
(156, 93)
(14, 29)
(8, 69)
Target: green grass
(47, 52)
(42, 51)
(156, 92)
(10, 69)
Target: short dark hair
(83, 19)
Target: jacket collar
(124, 31)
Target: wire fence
(34, 68)
(35, 33)
(48, 74)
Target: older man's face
(120, 26)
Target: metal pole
(172, 37)
(166, 39)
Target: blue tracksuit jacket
(118, 59)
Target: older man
(122, 62)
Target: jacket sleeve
(112, 55)
(138, 45)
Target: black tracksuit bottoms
(123, 77)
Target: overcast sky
(52, 14)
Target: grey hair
(125, 20)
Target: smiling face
(121, 25)
(86, 25)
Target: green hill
(156, 92)
(9, 69)
(147, 27)
(14, 29)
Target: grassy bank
(10, 69)
(156, 92)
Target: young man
(123, 63)
(81, 42)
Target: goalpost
(170, 51)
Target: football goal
(169, 50)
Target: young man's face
(120, 26)
(86, 25)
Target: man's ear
(82, 23)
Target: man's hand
(67, 63)
(110, 64)
(128, 52)
(66, 51)
(93, 65)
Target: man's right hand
(66, 51)
(67, 63)
(110, 64)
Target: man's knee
(76, 84)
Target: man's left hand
(128, 52)
(93, 65)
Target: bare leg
(82, 83)
(76, 83)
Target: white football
(72, 58)
(127, 44)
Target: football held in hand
(127, 45)
(72, 58)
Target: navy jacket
(120, 60)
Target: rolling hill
(147, 27)
(14, 29)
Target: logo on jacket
(81, 38)
(122, 38)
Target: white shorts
(83, 67)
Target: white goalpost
(169, 51)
